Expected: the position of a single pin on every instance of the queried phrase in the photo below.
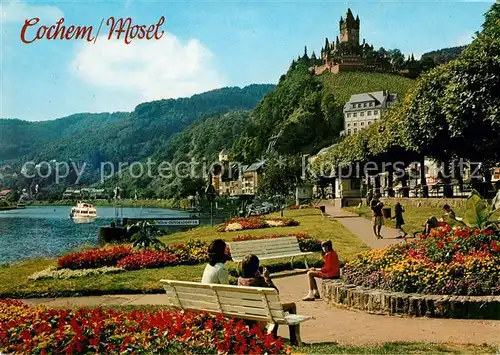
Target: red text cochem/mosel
(117, 28)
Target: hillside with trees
(304, 113)
(201, 142)
(445, 55)
(118, 137)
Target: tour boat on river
(83, 212)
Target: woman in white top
(216, 271)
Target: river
(45, 231)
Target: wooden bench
(267, 249)
(250, 303)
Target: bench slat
(249, 303)
(284, 255)
(227, 288)
(269, 257)
(201, 291)
(194, 296)
(281, 250)
(227, 308)
(247, 296)
(196, 304)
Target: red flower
(440, 244)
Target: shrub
(94, 258)
(25, 329)
(236, 224)
(148, 259)
(459, 261)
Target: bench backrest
(253, 303)
(272, 247)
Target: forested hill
(127, 137)
(203, 140)
(19, 138)
(444, 55)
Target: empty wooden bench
(266, 249)
(250, 303)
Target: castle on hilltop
(346, 53)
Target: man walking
(377, 217)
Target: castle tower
(349, 29)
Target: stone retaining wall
(426, 202)
(337, 293)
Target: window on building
(362, 113)
(355, 130)
(354, 114)
(348, 115)
(369, 113)
(353, 106)
(348, 125)
(354, 124)
(369, 123)
(375, 112)
(364, 104)
(362, 123)
(348, 131)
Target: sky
(205, 45)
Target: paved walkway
(361, 227)
(332, 324)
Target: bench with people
(255, 299)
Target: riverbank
(171, 204)
(5, 206)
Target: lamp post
(210, 194)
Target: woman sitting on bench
(331, 270)
(216, 272)
(253, 275)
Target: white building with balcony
(362, 110)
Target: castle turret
(349, 29)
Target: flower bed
(459, 261)
(306, 242)
(25, 329)
(238, 224)
(55, 273)
(148, 259)
(94, 258)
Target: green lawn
(14, 278)
(414, 216)
(395, 348)
(345, 243)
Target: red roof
(5, 192)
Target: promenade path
(361, 227)
(333, 324)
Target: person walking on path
(377, 217)
(369, 196)
(398, 215)
(331, 270)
